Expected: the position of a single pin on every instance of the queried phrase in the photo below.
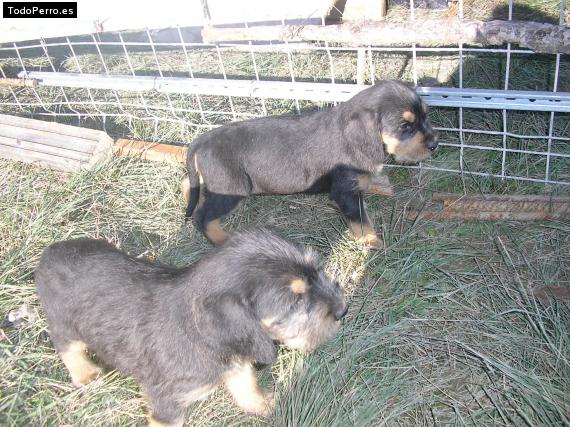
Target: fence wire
(517, 145)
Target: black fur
(177, 330)
(326, 151)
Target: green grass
(442, 327)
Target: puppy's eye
(405, 126)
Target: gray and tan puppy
(337, 151)
(182, 332)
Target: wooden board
(150, 151)
(49, 144)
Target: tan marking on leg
(185, 184)
(363, 182)
(365, 235)
(409, 116)
(198, 169)
(215, 232)
(298, 286)
(241, 382)
(185, 188)
(82, 370)
(152, 422)
(380, 184)
(202, 196)
(424, 108)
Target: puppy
(336, 151)
(182, 332)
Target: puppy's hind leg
(166, 412)
(153, 422)
(82, 370)
(351, 203)
(241, 382)
(210, 212)
(166, 417)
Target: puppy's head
(404, 127)
(258, 288)
(400, 119)
(303, 311)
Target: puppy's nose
(340, 313)
(432, 143)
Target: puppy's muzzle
(341, 312)
(431, 141)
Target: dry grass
(443, 327)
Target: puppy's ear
(363, 129)
(228, 325)
(362, 126)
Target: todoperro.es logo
(39, 10)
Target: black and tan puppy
(182, 332)
(335, 151)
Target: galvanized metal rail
(327, 92)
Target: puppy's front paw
(261, 404)
(380, 184)
(268, 404)
(371, 241)
(88, 374)
(81, 369)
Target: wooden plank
(443, 197)
(44, 148)
(39, 136)
(18, 82)
(40, 159)
(506, 205)
(489, 216)
(540, 37)
(58, 128)
(52, 144)
(149, 151)
(103, 151)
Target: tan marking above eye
(298, 286)
(409, 116)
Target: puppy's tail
(191, 186)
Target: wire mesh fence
(169, 85)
